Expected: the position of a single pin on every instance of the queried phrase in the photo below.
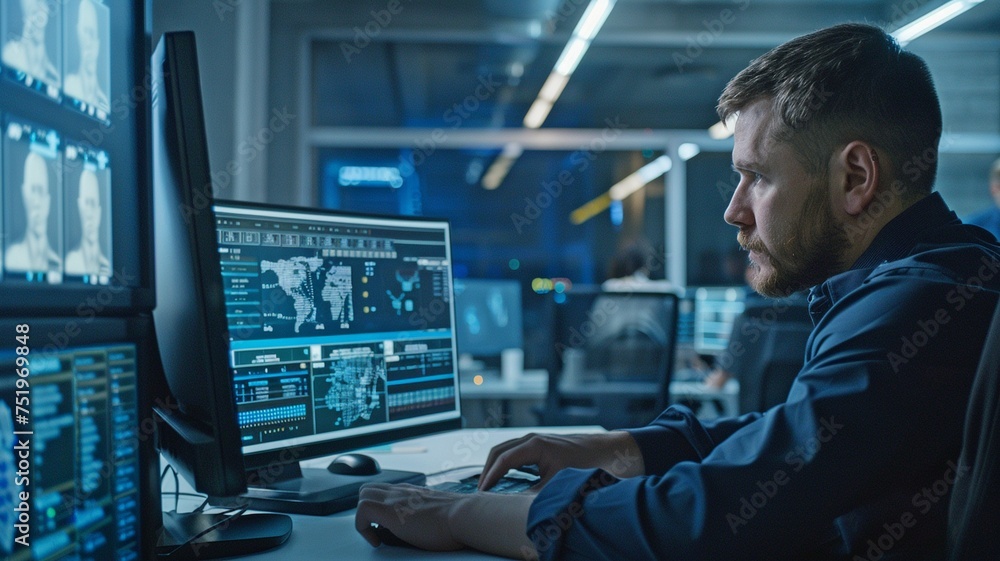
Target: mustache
(751, 243)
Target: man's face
(35, 191)
(784, 214)
(89, 204)
(87, 34)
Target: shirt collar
(900, 235)
(896, 240)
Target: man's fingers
(515, 457)
(503, 447)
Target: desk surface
(536, 387)
(333, 537)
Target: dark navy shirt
(859, 461)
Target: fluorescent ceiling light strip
(933, 19)
(512, 150)
(639, 178)
(593, 18)
(495, 175)
(590, 23)
(497, 172)
(590, 209)
(723, 130)
(621, 190)
(688, 150)
(553, 87)
(571, 56)
(537, 113)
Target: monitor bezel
(262, 459)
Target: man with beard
(836, 146)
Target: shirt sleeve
(868, 401)
(677, 435)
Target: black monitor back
(201, 439)
(771, 337)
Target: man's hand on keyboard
(615, 452)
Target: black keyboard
(507, 485)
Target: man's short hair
(845, 83)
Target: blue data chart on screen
(335, 327)
(83, 481)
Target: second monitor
(340, 335)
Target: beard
(807, 252)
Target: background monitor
(341, 336)
(76, 457)
(488, 316)
(715, 311)
(199, 437)
(82, 110)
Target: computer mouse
(388, 538)
(354, 464)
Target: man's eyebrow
(746, 165)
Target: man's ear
(859, 163)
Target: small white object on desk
(511, 365)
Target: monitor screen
(74, 90)
(715, 311)
(340, 326)
(73, 458)
(488, 316)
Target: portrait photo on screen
(86, 58)
(32, 50)
(32, 203)
(87, 181)
(3, 202)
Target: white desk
(333, 538)
(533, 385)
(498, 402)
(533, 390)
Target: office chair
(974, 508)
(772, 339)
(627, 341)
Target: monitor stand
(239, 535)
(293, 489)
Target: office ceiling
(656, 64)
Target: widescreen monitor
(488, 316)
(341, 336)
